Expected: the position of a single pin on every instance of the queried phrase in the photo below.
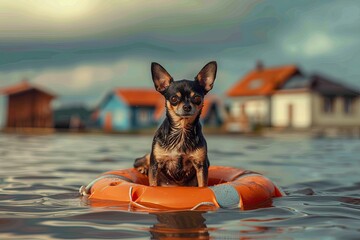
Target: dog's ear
(206, 77)
(160, 77)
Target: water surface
(40, 177)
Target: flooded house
(28, 106)
(316, 102)
(250, 97)
(72, 117)
(285, 97)
(125, 109)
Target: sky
(82, 49)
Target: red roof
(262, 81)
(139, 97)
(22, 87)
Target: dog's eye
(196, 99)
(174, 99)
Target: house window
(348, 105)
(255, 84)
(329, 104)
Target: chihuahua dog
(179, 152)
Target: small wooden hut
(28, 106)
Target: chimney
(259, 65)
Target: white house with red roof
(251, 96)
(286, 97)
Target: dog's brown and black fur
(179, 152)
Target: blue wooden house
(126, 109)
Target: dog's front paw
(143, 170)
(142, 164)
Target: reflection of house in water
(285, 97)
(28, 106)
(128, 109)
(251, 96)
(315, 101)
(75, 117)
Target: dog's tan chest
(175, 158)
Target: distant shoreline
(330, 132)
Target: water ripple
(40, 177)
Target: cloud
(326, 29)
(74, 19)
(111, 43)
(315, 44)
(80, 79)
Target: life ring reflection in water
(227, 188)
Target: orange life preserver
(227, 188)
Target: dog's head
(184, 98)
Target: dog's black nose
(187, 108)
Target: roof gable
(131, 97)
(296, 82)
(326, 86)
(262, 81)
(111, 101)
(320, 84)
(24, 86)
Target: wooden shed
(28, 106)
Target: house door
(290, 115)
(108, 122)
(244, 120)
